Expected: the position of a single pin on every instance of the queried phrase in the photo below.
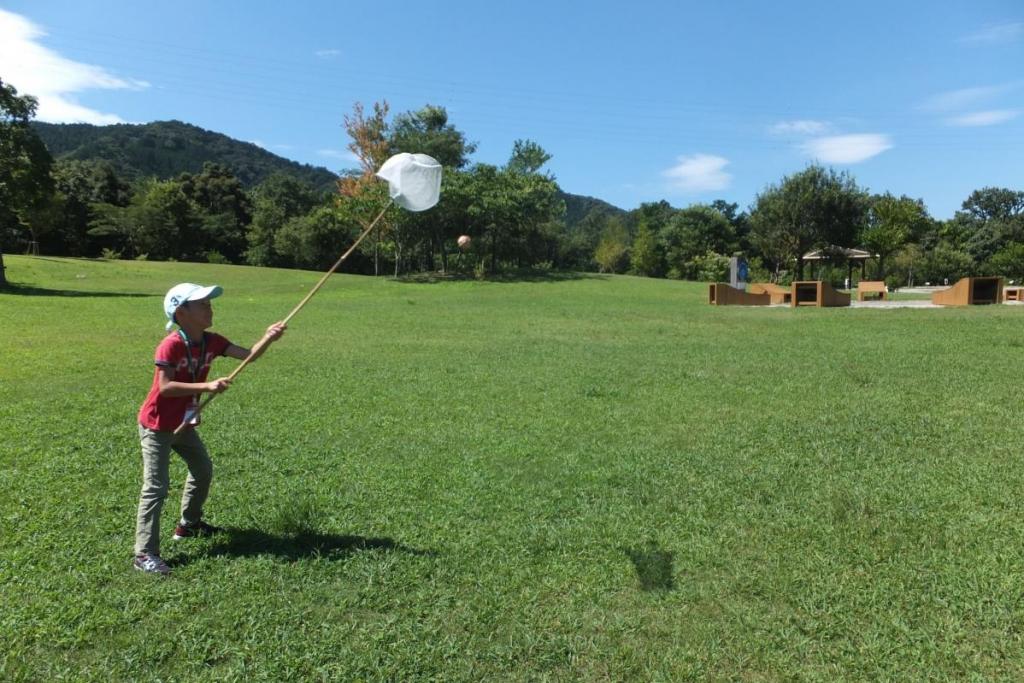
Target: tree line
(515, 213)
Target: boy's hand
(218, 385)
(275, 331)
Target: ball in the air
(464, 241)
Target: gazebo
(851, 256)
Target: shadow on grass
(525, 275)
(293, 547)
(25, 290)
(654, 567)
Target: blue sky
(683, 101)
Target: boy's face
(195, 314)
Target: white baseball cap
(186, 291)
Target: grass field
(589, 478)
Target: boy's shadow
(233, 542)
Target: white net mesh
(414, 180)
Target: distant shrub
(710, 267)
(1008, 262)
(110, 254)
(480, 270)
(214, 256)
(756, 271)
(945, 263)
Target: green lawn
(592, 478)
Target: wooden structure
(724, 294)
(817, 293)
(867, 288)
(971, 291)
(779, 295)
(1013, 294)
(834, 253)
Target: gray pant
(156, 460)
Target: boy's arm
(170, 388)
(272, 334)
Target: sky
(636, 102)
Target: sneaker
(196, 530)
(151, 564)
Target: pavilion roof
(831, 252)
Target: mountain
(167, 148)
(578, 207)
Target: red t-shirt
(164, 414)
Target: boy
(182, 363)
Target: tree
(311, 240)
(508, 214)
(80, 185)
(612, 250)
(946, 262)
(580, 241)
(815, 208)
(25, 163)
(524, 205)
(694, 232)
(891, 223)
(995, 203)
(369, 136)
(907, 263)
(708, 267)
(224, 209)
(159, 223)
(990, 220)
(361, 193)
(527, 157)
(656, 214)
(645, 256)
(275, 201)
(1009, 262)
(739, 219)
(427, 131)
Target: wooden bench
(867, 288)
(779, 295)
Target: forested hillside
(165, 149)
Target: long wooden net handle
(263, 341)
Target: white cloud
(39, 71)
(699, 173)
(327, 54)
(339, 154)
(800, 127)
(984, 118)
(847, 149)
(968, 97)
(999, 33)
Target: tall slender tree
(891, 223)
(360, 193)
(427, 131)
